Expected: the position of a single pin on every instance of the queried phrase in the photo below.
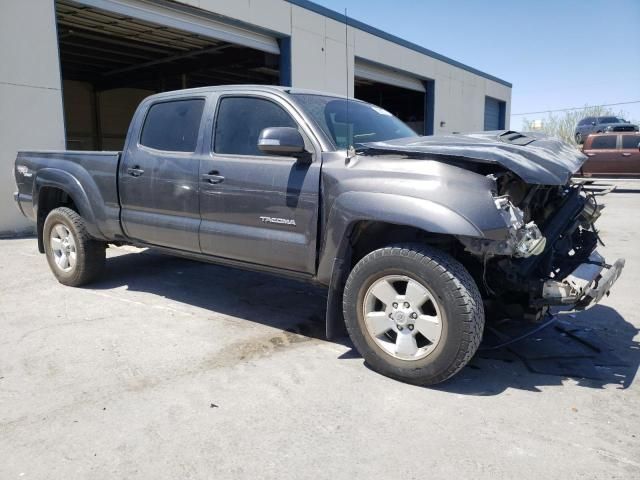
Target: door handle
(590, 154)
(213, 177)
(626, 154)
(135, 171)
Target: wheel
(74, 257)
(413, 312)
(579, 138)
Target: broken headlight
(523, 239)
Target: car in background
(612, 155)
(590, 125)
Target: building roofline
(339, 17)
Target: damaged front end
(548, 258)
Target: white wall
(30, 94)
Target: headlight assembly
(523, 239)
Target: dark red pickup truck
(612, 154)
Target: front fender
(352, 207)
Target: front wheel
(74, 257)
(414, 313)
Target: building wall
(318, 60)
(323, 56)
(30, 94)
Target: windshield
(353, 122)
(611, 120)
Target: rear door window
(630, 142)
(173, 126)
(604, 142)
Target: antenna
(350, 149)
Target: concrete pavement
(172, 369)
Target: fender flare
(55, 178)
(353, 207)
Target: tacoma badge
(282, 221)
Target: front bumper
(585, 286)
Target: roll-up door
(379, 74)
(400, 93)
(185, 18)
(493, 114)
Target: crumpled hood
(538, 159)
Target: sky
(557, 54)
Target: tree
(563, 125)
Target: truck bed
(93, 177)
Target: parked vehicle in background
(413, 236)
(610, 154)
(590, 125)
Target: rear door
(159, 174)
(603, 155)
(258, 208)
(630, 155)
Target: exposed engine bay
(549, 257)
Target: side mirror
(281, 141)
(593, 123)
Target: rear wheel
(74, 257)
(579, 138)
(414, 313)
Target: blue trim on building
(339, 17)
(429, 106)
(285, 61)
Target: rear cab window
(173, 125)
(605, 142)
(630, 142)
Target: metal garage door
(493, 114)
(390, 77)
(186, 18)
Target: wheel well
(368, 236)
(48, 199)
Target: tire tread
(460, 281)
(91, 252)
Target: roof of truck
(259, 88)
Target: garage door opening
(402, 95)
(110, 61)
(494, 114)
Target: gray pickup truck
(416, 238)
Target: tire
(453, 308)
(65, 236)
(579, 138)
